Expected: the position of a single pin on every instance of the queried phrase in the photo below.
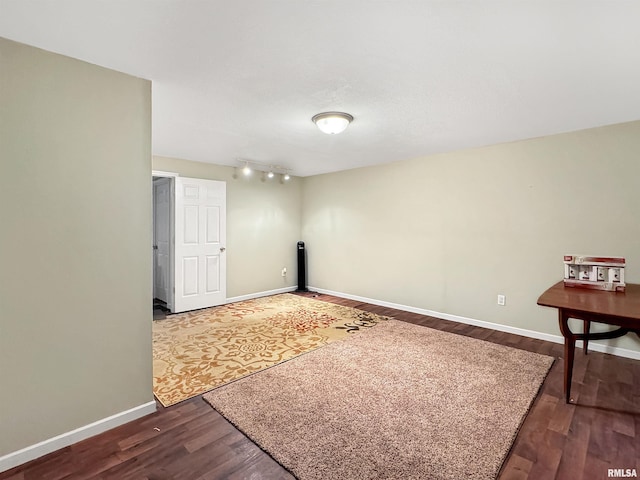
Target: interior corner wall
(450, 232)
(263, 225)
(75, 275)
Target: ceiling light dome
(332, 122)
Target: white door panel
(200, 259)
(212, 281)
(213, 224)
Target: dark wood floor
(557, 441)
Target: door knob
(222, 249)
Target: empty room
(350, 239)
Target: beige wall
(75, 275)
(263, 225)
(450, 232)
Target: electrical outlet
(284, 272)
(502, 300)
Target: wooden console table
(613, 308)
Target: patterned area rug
(201, 350)
(398, 401)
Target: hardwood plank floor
(556, 441)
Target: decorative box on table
(599, 273)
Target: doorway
(189, 243)
(163, 286)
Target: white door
(200, 236)
(161, 238)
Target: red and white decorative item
(599, 273)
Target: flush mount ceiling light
(332, 122)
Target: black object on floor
(302, 268)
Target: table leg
(569, 352)
(585, 342)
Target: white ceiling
(242, 79)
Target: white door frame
(170, 286)
(162, 238)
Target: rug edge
(526, 414)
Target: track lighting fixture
(266, 171)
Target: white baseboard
(261, 294)
(594, 346)
(45, 447)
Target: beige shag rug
(197, 351)
(398, 401)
